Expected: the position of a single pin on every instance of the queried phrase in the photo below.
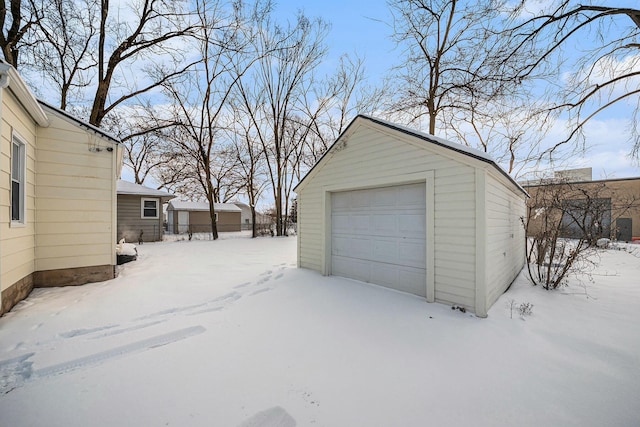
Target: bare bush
(563, 224)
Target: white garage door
(378, 236)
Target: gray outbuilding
(140, 216)
(406, 210)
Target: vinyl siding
(372, 158)
(76, 197)
(505, 236)
(17, 242)
(201, 223)
(130, 221)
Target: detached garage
(406, 210)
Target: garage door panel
(412, 254)
(354, 247)
(360, 248)
(340, 223)
(385, 197)
(405, 279)
(412, 224)
(340, 201)
(359, 223)
(385, 250)
(412, 196)
(378, 236)
(412, 280)
(352, 268)
(341, 246)
(384, 225)
(361, 198)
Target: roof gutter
(10, 78)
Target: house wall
(75, 202)
(17, 241)
(245, 216)
(130, 221)
(373, 157)
(624, 194)
(505, 237)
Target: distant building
(185, 217)
(140, 216)
(618, 203)
(245, 216)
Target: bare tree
(606, 71)
(144, 131)
(60, 45)
(507, 129)
(249, 156)
(201, 100)
(272, 94)
(331, 105)
(449, 54)
(15, 23)
(153, 29)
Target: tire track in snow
(17, 371)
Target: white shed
(406, 210)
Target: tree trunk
(254, 232)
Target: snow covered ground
(230, 333)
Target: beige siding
(624, 194)
(372, 158)
(17, 242)
(76, 197)
(131, 223)
(505, 236)
(200, 222)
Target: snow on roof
(79, 122)
(125, 187)
(179, 205)
(432, 138)
(463, 149)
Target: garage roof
(178, 205)
(463, 149)
(125, 187)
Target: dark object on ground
(123, 259)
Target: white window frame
(142, 208)
(19, 150)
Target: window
(18, 168)
(150, 208)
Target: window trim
(18, 141)
(142, 207)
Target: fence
(202, 231)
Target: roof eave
(350, 128)
(9, 77)
(81, 123)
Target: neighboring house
(58, 195)
(185, 217)
(140, 216)
(407, 210)
(614, 204)
(245, 215)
